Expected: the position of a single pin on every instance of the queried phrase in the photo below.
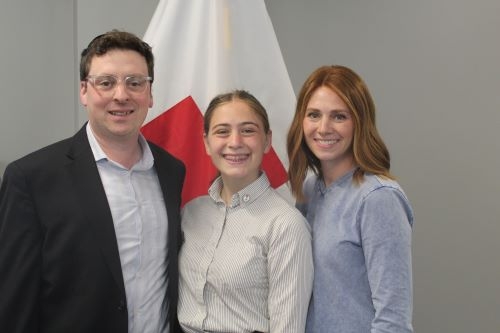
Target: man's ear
(83, 93)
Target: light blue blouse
(362, 256)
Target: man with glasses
(89, 226)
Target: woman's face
(236, 142)
(329, 131)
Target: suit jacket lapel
(166, 174)
(94, 203)
(172, 202)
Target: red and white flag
(203, 48)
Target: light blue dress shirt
(140, 220)
(362, 256)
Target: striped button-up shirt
(246, 266)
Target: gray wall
(434, 71)
(37, 67)
(432, 66)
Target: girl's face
(236, 142)
(329, 131)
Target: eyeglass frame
(91, 79)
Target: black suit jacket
(59, 264)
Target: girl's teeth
(116, 113)
(235, 158)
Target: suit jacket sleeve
(20, 260)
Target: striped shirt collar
(245, 196)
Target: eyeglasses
(107, 83)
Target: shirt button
(246, 198)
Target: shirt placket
(210, 254)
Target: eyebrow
(333, 110)
(119, 76)
(239, 124)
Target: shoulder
(382, 192)
(197, 209)
(40, 171)
(373, 184)
(309, 185)
(284, 216)
(272, 201)
(43, 157)
(197, 203)
(164, 156)
(58, 152)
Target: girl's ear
(269, 140)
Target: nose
(324, 125)
(235, 139)
(120, 92)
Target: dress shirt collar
(146, 162)
(346, 179)
(244, 197)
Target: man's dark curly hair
(115, 40)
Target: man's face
(116, 113)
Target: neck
(232, 186)
(333, 172)
(124, 153)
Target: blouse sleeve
(290, 274)
(385, 226)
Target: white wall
(433, 69)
